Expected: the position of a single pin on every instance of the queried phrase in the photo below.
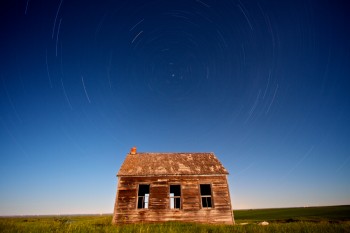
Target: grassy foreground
(320, 219)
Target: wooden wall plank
(159, 204)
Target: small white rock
(264, 223)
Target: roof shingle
(144, 164)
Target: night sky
(265, 85)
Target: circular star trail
(262, 84)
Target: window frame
(175, 197)
(137, 195)
(206, 196)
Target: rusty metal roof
(145, 164)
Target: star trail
(262, 84)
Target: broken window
(143, 196)
(206, 196)
(175, 196)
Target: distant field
(312, 219)
(311, 214)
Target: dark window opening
(175, 196)
(206, 196)
(143, 196)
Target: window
(175, 196)
(143, 196)
(206, 196)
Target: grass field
(310, 214)
(312, 219)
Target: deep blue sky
(263, 84)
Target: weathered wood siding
(126, 211)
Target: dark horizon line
(106, 214)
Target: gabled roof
(146, 164)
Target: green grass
(311, 214)
(315, 219)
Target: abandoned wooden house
(159, 187)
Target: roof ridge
(175, 153)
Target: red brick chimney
(133, 150)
